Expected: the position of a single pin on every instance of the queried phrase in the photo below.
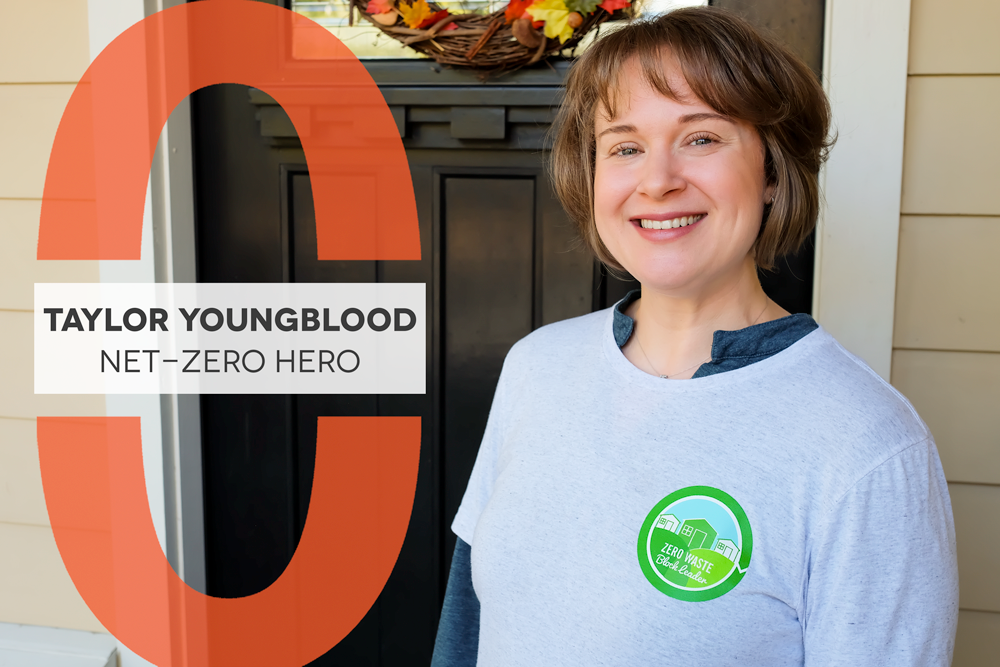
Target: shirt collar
(751, 343)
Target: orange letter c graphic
(366, 467)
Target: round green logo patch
(695, 544)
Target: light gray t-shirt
(790, 512)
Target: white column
(106, 20)
(864, 72)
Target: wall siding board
(957, 394)
(29, 115)
(946, 334)
(44, 50)
(947, 275)
(35, 588)
(954, 37)
(977, 643)
(951, 145)
(21, 497)
(43, 41)
(19, 270)
(977, 531)
(17, 397)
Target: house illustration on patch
(697, 534)
(668, 522)
(728, 549)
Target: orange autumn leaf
(611, 5)
(416, 13)
(515, 10)
(380, 6)
(433, 18)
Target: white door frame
(171, 436)
(866, 47)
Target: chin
(666, 270)
(670, 280)
(684, 273)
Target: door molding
(857, 240)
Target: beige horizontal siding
(978, 640)
(958, 395)
(19, 270)
(29, 115)
(977, 531)
(43, 41)
(43, 51)
(21, 497)
(35, 588)
(951, 159)
(954, 37)
(946, 337)
(948, 275)
(17, 397)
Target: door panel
(249, 502)
(489, 238)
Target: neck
(674, 329)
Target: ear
(769, 194)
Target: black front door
(499, 260)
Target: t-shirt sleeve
(882, 585)
(480, 486)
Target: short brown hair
(732, 68)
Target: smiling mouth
(673, 223)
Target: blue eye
(702, 141)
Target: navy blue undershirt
(457, 641)
(730, 349)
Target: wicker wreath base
(481, 41)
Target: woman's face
(678, 189)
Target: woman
(695, 476)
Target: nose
(661, 174)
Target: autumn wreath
(522, 33)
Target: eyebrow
(617, 129)
(695, 117)
(689, 118)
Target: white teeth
(669, 224)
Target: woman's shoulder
(852, 400)
(563, 338)
(546, 354)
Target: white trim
(37, 646)
(173, 241)
(173, 473)
(106, 20)
(866, 47)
